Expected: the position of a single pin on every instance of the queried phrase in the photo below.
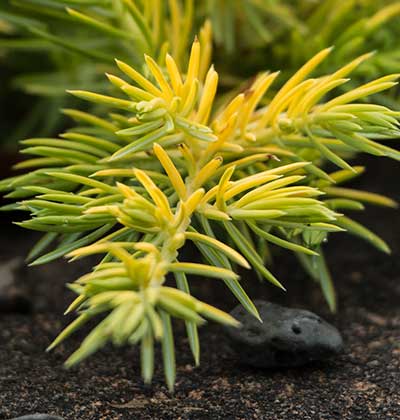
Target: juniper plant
(78, 41)
(168, 166)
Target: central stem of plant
(174, 237)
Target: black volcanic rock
(38, 417)
(286, 337)
(15, 295)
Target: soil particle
(361, 384)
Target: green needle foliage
(288, 33)
(171, 159)
(75, 42)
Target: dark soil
(363, 383)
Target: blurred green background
(46, 49)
